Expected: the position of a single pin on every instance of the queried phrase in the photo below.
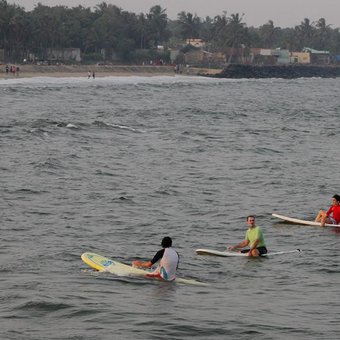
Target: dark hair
(166, 242)
(337, 197)
(248, 217)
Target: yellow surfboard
(104, 264)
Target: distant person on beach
(7, 69)
(332, 215)
(254, 239)
(167, 267)
(18, 70)
(88, 75)
(93, 75)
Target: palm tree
(190, 25)
(305, 33)
(323, 34)
(267, 33)
(237, 33)
(219, 32)
(157, 25)
(19, 35)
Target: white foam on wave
(71, 126)
(84, 81)
(125, 127)
(124, 80)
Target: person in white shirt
(169, 259)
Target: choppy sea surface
(112, 165)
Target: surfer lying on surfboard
(168, 265)
(332, 215)
(254, 239)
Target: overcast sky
(284, 13)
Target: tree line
(129, 35)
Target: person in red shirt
(332, 216)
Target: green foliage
(125, 34)
(91, 58)
(190, 25)
(188, 48)
(145, 56)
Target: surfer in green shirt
(254, 239)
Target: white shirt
(168, 265)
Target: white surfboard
(226, 253)
(104, 264)
(304, 222)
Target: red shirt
(335, 211)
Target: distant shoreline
(63, 71)
(233, 71)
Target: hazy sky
(284, 13)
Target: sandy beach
(63, 71)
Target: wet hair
(166, 242)
(248, 217)
(337, 197)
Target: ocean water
(113, 165)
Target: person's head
(166, 242)
(251, 220)
(336, 200)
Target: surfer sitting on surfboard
(168, 265)
(254, 238)
(332, 216)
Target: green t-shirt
(254, 234)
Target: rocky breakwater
(278, 71)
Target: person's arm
(239, 245)
(329, 211)
(149, 264)
(254, 245)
